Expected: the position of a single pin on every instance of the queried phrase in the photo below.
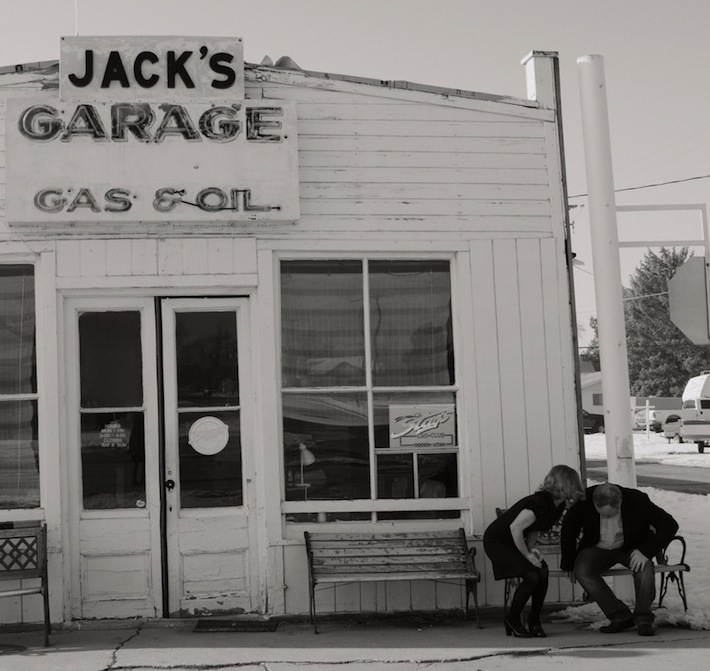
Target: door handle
(170, 485)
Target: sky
(691, 511)
(655, 60)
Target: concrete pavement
(406, 644)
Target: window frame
(318, 510)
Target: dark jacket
(647, 527)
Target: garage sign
(151, 130)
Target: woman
(509, 540)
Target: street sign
(688, 298)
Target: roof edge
(397, 84)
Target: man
(618, 526)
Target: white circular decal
(208, 435)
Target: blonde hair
(563, 481)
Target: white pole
(607, 271)
(648, 419)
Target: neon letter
(135, 117)
(214, 125)
(40, 122)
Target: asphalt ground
(684, 479)
(358, 644)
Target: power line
(633, 298)
(650, 186)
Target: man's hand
(571, 576)
(637, 560)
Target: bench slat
(438, 536)
(394, 560)
(384, 577)
(383, 551)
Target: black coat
(647, 527)
(498, 541)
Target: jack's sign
(151, 68)
(159, 136)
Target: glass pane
(110, 359)
(206, 344)
(395, 476)
(210, 460)
(334, 460)
(113, 460)
(415, 420)
(410, 323)
(19, 455)
(18, 367)
(438, 475)
(322, 324)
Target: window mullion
(368, 380)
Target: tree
(661, 358)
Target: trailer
(693, 421)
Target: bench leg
(47, 621)
(472, 588)
(313, 607)
(681, 590)
(678, 579)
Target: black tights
(533, 584)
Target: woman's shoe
(536, 630)
(516, 630)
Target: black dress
(498, 541)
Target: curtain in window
(410, 323)
(19, 462)
(322, 324)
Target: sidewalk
(348, 645)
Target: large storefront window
(369, 400)
(19, 449)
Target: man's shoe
(646, 629)
(616, 627)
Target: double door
(161, 474)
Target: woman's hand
(535, 558)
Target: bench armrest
(662, 556)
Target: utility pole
(607, 271)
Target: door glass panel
(111, 413)
(112, 460)
(210, 459)
(207, 373)
(110, 359)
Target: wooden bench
(23, 555)
(669, 572)
(369, 557)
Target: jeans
(588, 566)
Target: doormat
(235, 625)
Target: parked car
(656, 418)
(592, 423)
